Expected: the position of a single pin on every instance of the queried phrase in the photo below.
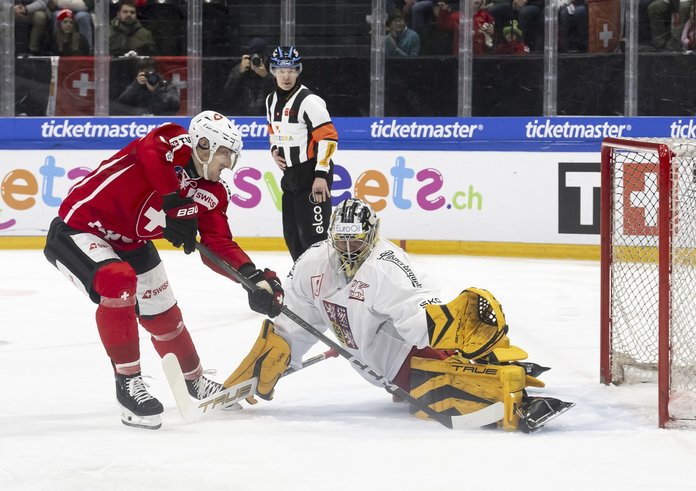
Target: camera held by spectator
(249, 82)
(254, 59)
(152, 78)
(149, 93)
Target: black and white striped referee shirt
(300, 127)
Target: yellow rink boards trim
(445, 247)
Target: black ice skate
(138, 408)
(537, 411)
(203, 387)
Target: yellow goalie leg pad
(473, 323)
(456, 386)
(268, 359)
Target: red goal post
(648, 269)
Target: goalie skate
(537, 411)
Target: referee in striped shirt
(303, 141)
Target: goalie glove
(181, 221)
(473, 323)
(268, 297)
(267, 360)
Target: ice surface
(326, 428)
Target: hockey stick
(488, 415)
(192, 411)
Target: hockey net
(648, 268)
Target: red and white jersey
(378, 316)
(121, 200)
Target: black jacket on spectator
(245, 93)
(138, 100)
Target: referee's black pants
(304, 221)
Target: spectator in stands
(434, 21)
(572, 25)
(643, 22)
(688, 36)
(421, 15)
(484, 28)
(249, 82)
(529, 15)
(30, 25)
(406, 6)
(127, 37)
(664, 34)
(483, 25)
(66, 40)
(400, 41)
(148, 94)
(165, 20)
(82, 16)
(512, 43)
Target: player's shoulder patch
(175, 142)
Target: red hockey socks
(403, 376)
(116, 321)
(169, 335)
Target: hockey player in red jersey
(165, 184)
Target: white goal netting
(635, 235)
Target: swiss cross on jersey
(151, 219)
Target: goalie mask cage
(648, 270)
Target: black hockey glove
(181, 221)
(268, 297)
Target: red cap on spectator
(63, 14)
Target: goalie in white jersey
(454, 357)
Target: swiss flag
(74, 85)
(175, 69)
(74, 90)
(604, 25)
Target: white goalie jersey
(378, 316)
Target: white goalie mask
(219, 131)
(353, 233)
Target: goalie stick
(483, 417)
(194, 410)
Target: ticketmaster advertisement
(522, 180)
